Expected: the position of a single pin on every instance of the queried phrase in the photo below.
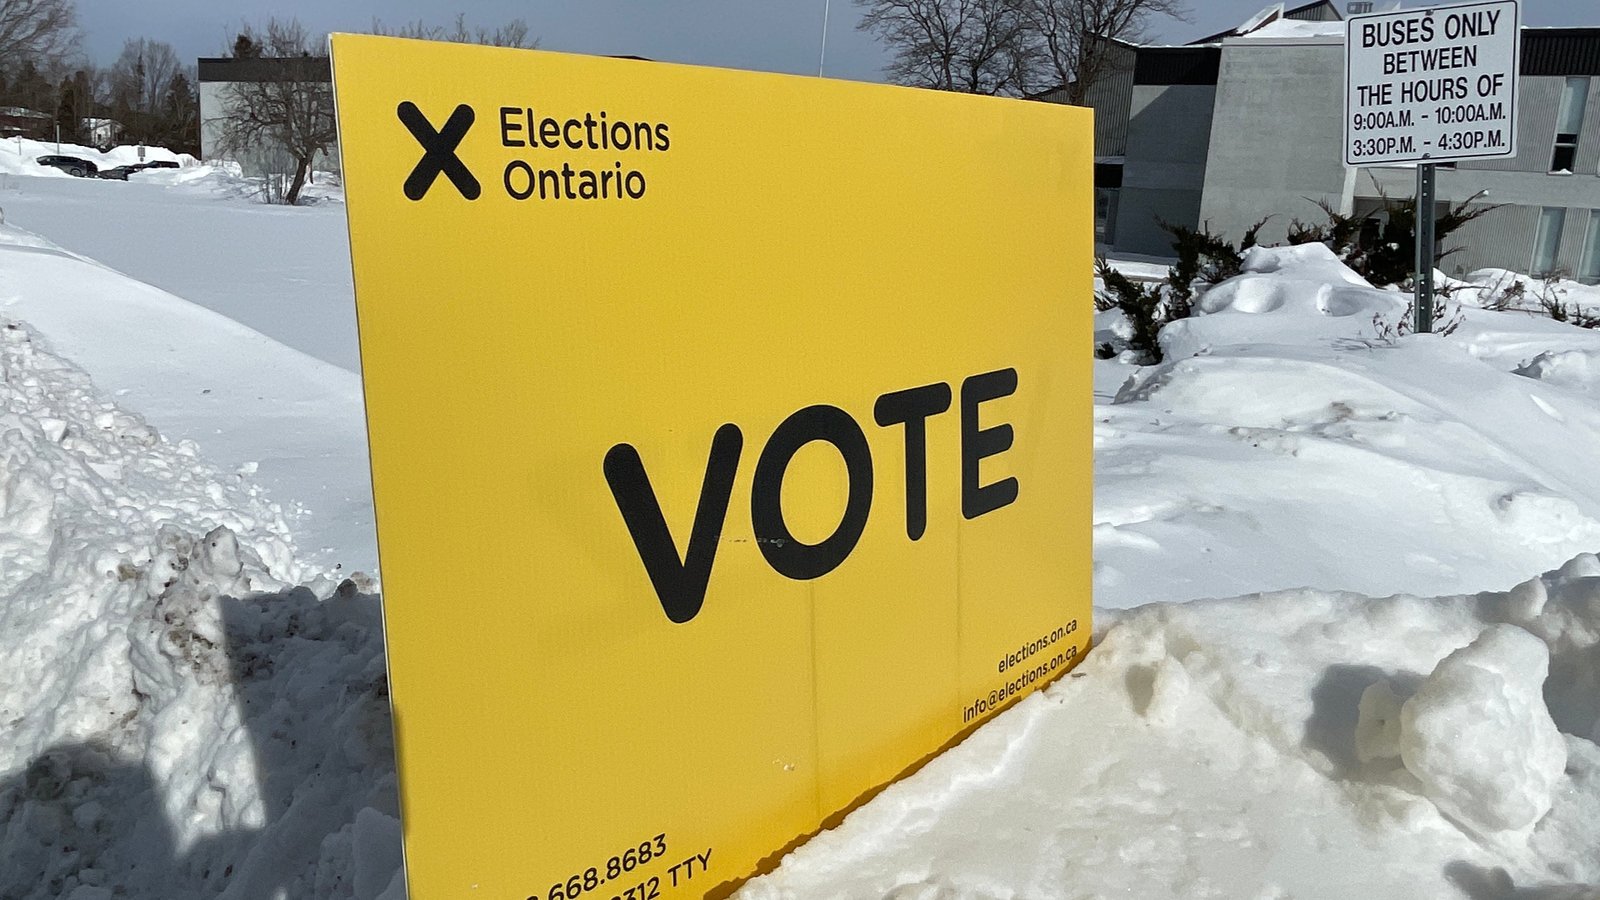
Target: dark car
(121, 173)
(70, 165)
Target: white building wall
(214, 100)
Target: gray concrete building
(1250, 125)
(1154, 114)
(1170, 121)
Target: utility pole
(822, 57)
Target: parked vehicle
(121, 173)
(71, 165)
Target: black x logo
(439, 151)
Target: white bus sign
(1432, 85)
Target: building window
(1105, 215)
(1569, 122)
(1547, 241)
(1107, 186)
(1589, 269)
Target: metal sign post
(1427, 86)
(1425, 249)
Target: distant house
(1249, 123)
(217, 78)
(29, 123)
(102, 132)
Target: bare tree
(44, 32)
(142, 74)
(94, 83)
(1073, 40)
(286, 111)
(1008, 46)
(972, 46)
(512, 34)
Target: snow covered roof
(1271, 14)
(1321, 10)
(1293, 29)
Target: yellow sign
(731, 446)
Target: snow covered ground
(1302, 740)
(1286, 444)
(1395, 702)
(287, 271)
(280, 399)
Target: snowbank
(1307, 281)
(1294, 439)
(217, 178)
(222, 179)
(1213, 749)
(1502, 289)
(1477, 736)
(295, 423)
(1574, 370)
(18, 155)
(146, 599)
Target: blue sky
(771, 35)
